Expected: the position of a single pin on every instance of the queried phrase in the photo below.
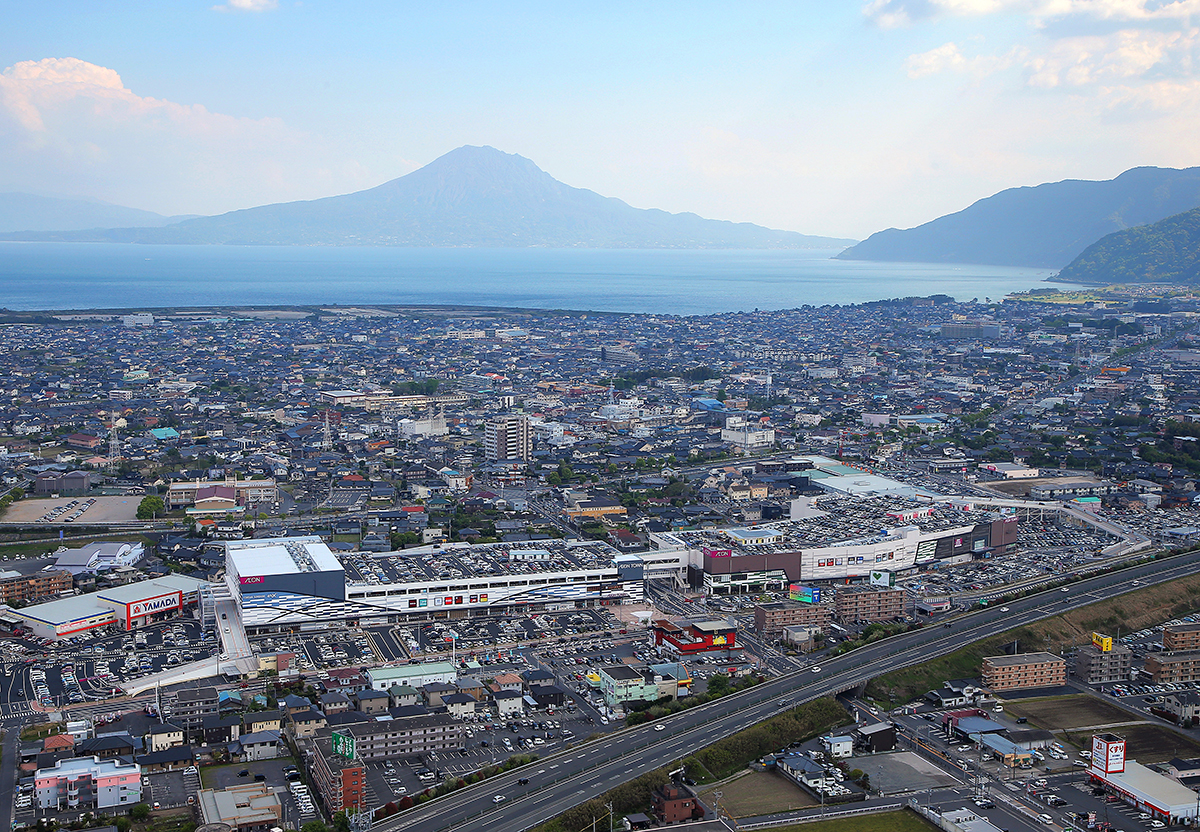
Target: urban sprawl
(277, 568)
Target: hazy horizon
(824, 118)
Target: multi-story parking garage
(838, 538)
(286, 583)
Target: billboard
(881, 578)
(1101, 641)
(253, 579)
(166, 602)
(1108, 753)
(806, 594)
(343, 745)
(718, 553)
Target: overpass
(567, 778)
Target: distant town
(301, 568)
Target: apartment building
(1025, 670)
(1174, 666)
(1177, 637)
(404, 737)
(341, 782)
(88, 783)
(770, 619)
(868, 603)
(38, 585)
(1097, 666)
(508, 437)
(191, 707)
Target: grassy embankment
(1125, 613)
(714, 762)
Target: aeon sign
(168, 602)
(254, 579)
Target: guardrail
(816, 817)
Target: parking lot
(92, 665)
(68, 511)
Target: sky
(832, 117)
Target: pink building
(88, 783)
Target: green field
(758, 793)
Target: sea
(73, 276)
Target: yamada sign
(167, 602)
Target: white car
(497, 798)
(1004, 609)
(816, 670)
(660, 727)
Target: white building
(427, 426)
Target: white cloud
(893, 13)
(949, 58)
(72, 128)
(247, 6)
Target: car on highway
(1004, 609)
(660, 727)
(816, 670)
(497, 798)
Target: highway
(577, 774)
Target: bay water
(64, 276)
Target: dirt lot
(105, 510)
(758, 793)
(1063, 713)
(1147, 743)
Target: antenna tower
(114, 443)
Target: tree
(718, 684)
(142, 811)
(314, 826)
(150, 507)
(341, 823)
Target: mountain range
(1167, 251)
(472, 196)
(27, 212)
(1045, 226)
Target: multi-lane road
(568, 778)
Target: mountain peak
(471, 196)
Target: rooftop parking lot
(491, 560)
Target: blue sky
(836, 118)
